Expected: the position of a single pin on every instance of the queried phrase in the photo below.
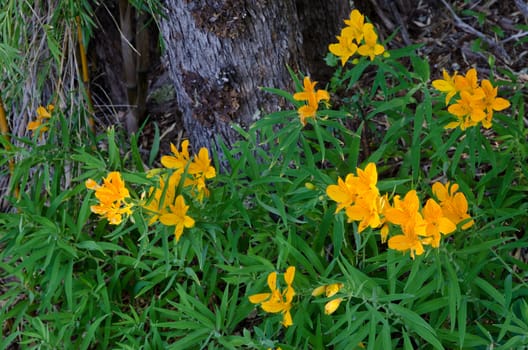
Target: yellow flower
(446, 85)
(469, 105)
(454, 204)
(359, 196)
(160, 198)
(492, 102)
(345, 48)
(329, 290)
(201, 169)
(178, 160)
(468, 83)
(370, 48)
(405, 213)
(177, 216)
(111, 195)
(312, 97)
(409, 240)
(43, 113)
(436, 222)
(344, 193)
(277, 301)
(201, 165)
(332, 306)
(366, 211)
(356, 23)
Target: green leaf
(155, 145)
(113, 150)
(417, 324)
(462, 321)
(89, 337)
(493, 293)
(421, 67)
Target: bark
(222, 51)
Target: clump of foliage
(369, 215)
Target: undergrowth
(354, 219)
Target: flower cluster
(359, 196)
(357, 36)
(164, 204)
(277, 301)
(329, 290)
(475, 103)
(40, 124)
(416, 226)
(313, 97)
(112, 196)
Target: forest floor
(454, 35)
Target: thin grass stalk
(85, 75)
(4, 130)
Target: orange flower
(454, 204)
(436, 222)
(470, 105)
(446, 85)
(178, 160)
(312, 97)
(409, 240)
(356, 23)
(346, 47)
(329, 290)
(405, 214)
(40, 123)
(277, 301)
(370, 48)
(344, 193)
(112, 195)
(468, 83)
(359, 196)
(160, 198)
(201, 165)
(177, 216)
(492, 102)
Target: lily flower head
(356, 23)
(468, 82)
(177, 216)
(370, 48)
(436, 222)
(277, 301)
(492, 102)
(454, 204)
(345, 48)
(408, 241)
(344, 193)
(178, 160)
(112, 196)
(43, 113)
(312, 98)
(446, 85)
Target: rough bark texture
(320, 22)
(222, 51)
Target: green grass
(71, 280)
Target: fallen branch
(469, 29)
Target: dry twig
(469, 29)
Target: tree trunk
(222, 51)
